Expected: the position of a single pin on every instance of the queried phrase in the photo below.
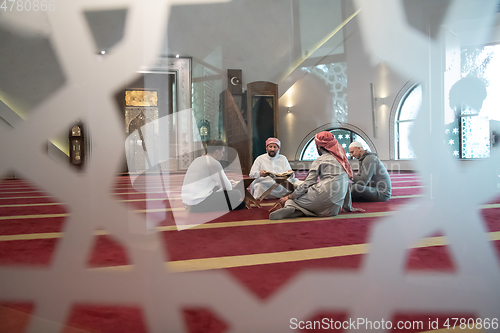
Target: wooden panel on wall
(234, 78)
(262, 110)
(236, 131)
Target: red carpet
(109, 319)
(20, 215)
(14, 317)
(200, 320)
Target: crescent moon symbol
(232, 82)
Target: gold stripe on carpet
(23, 217)
(266, 258)
(38, 196)
(221, 224)
(269, 222)
(237, 223)
(152, 199)
(30, 191)
(437, 241)
(174, 191)
(282, 257)
(45, 235)
(33, 205)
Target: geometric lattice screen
(83, 90)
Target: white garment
(204, 173)
(276, 164)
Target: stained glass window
(475, 137)
(482, 63)
(343, 136)
(468, 136)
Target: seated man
(373, 182)
(270, 162)
(325, 191)
(206, 187)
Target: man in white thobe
(272, 161)
(206, 187)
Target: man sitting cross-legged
(373, 182)
(271, 162)
(206, 187)
(329, 195)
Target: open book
(283, 175)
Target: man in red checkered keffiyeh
(325, 191)
(327, 140)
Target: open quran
(283, 175)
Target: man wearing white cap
(273, 162)
(372, 183)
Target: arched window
(343, 136)
(473, 103)
(483, 63)
(408, 110)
